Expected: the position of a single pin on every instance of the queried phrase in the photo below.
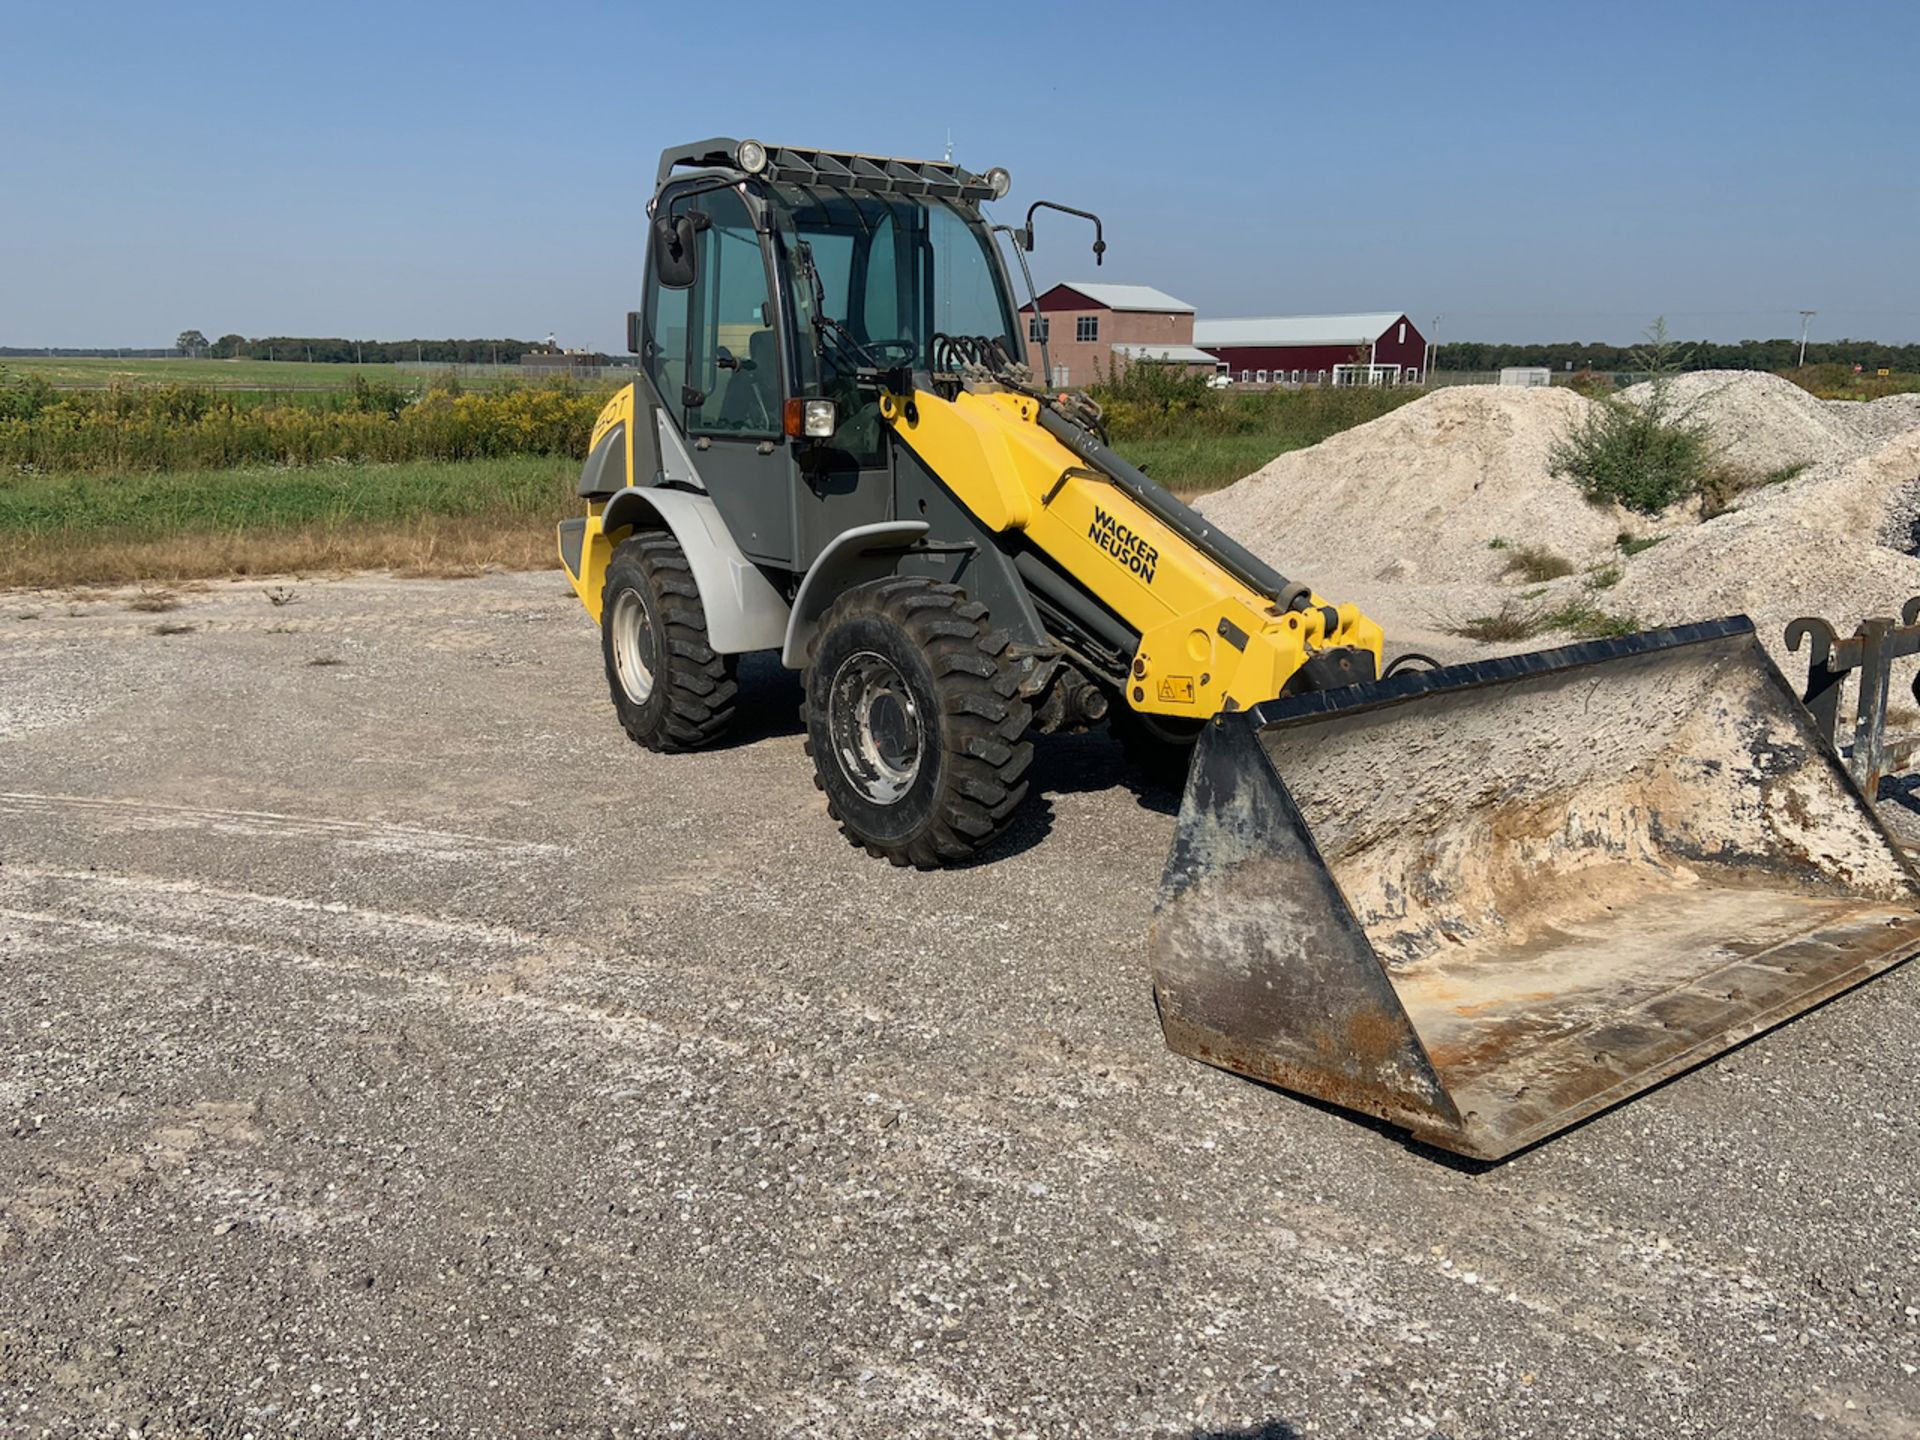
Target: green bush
(1646, 456)
(1161, 402)
(178, 427)
(23, 396)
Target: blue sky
(1540, 171)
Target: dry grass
(154, 602)
(447, 547)
(1536, 564)
(1720, 490)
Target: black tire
(686, 698)
(1159, 746)
(908, 666)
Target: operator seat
(751, 401)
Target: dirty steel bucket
(1486, 901)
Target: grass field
(90, 373)
(416, 518)
(1194, 464)
(171, 482)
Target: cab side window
(665, 348)
(733, 358)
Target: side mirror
(674, 250)
(633, 332)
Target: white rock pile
(1403, 513)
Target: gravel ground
(391, 1050)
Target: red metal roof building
(1378, 347)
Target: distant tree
(228, 347)
(190, 342)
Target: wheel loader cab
(804, 292)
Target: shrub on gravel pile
(1645, 456)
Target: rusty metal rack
(1871, 650)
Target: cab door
(730, 394)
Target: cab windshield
(894, 272)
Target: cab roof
(832, 169)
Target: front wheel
(915, 722)
(671, 691)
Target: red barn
(1379, 348)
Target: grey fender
(744, 611)
(854, 557)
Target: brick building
(1379, 348)
(1092, 329)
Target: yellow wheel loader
(1481, 902)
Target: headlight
(810, 419)
(751, 156)
(999, 181)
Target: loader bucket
(1487, 901)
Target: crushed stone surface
(392, 1049)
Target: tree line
(330, 349)
(1871, 355)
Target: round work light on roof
(999, 181)
(751, 156)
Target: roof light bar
(838, 169)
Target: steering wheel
(907, 349)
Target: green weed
(1512, 621)
(1586, 621)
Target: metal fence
(516, 371)
(1620, 378)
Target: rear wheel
(914, 722)
(671, 691)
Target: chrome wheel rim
(632, 635)
(875, 727)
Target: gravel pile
(1762, 423)
(1838, 541)
(1884, 418)
(1419, 494)
(1401, 514)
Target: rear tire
(669, 688)
(914, 722)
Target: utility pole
(1433, 347)
(1806, 319)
